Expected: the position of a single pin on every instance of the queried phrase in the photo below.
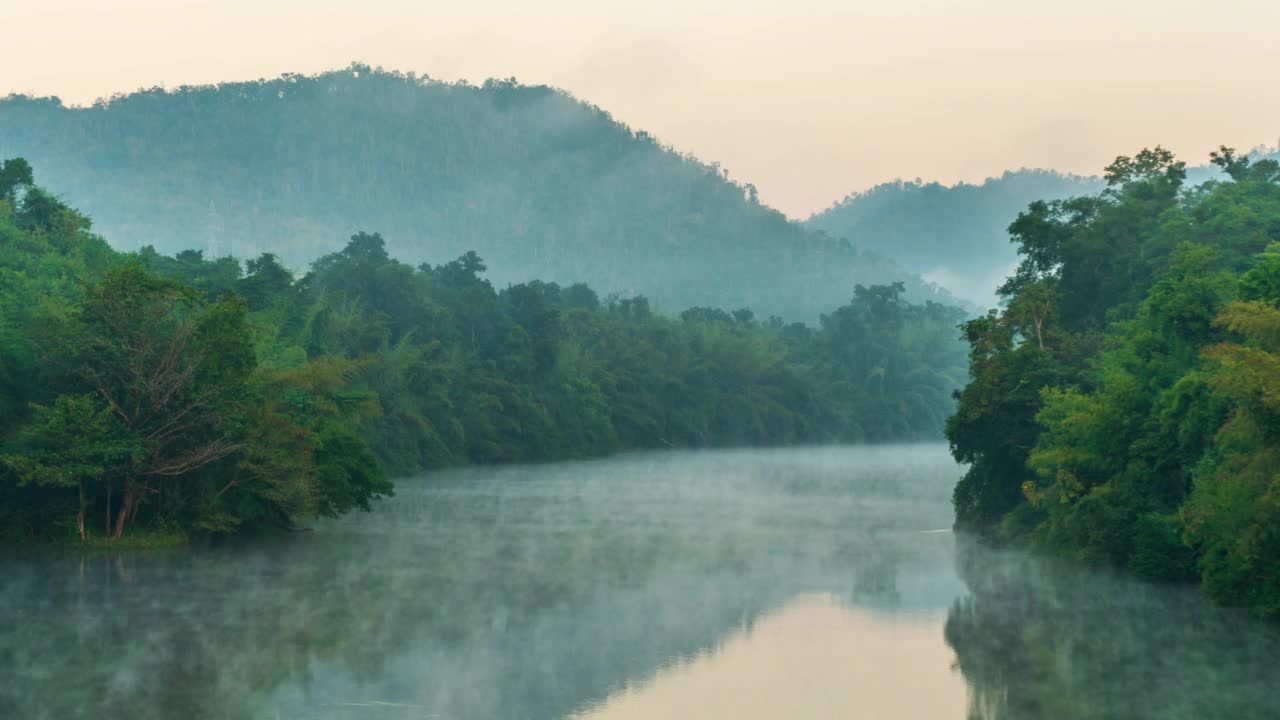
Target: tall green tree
(170, 366)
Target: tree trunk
(80, 517)
(137, 503)
(106, 530)
(126, 508)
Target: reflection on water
(816, 657)
(1044, 639)
(796, 583)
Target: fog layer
(589, 588)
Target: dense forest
(1122, 407)
(185, 394)
(541, 185)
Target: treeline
(1123, 405)
(540, 184)
(198, 395)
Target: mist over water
(811, 582)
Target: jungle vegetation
(1122, 407)
(204, 396)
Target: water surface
(815, 583)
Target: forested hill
(538, 183)
(957, 235)
(954, 235)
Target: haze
(808, 100)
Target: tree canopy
(1120, 404)
(205, 395)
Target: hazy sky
(808, 99)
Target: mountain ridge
(539, 183)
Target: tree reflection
(1038, 638)
(498, 594)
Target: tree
(15, 175)
(266, 280)
(1033, 306)
(1150, 164)
(77, 442)
(172, 369)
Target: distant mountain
(540, 184)
(953, 235)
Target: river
(798, 583)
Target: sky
(807, 99)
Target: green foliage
(15, 175)
(189, 393)
(348, 475)
(76, 440)
(1126, 391)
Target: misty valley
(363, 394)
